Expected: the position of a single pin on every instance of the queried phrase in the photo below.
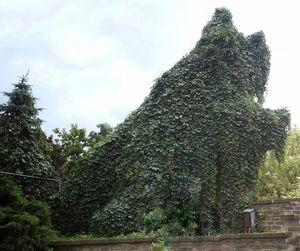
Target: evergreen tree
(24, 224)
(22, 145)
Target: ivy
(191, 151)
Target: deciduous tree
(280, 178)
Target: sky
(95, 61)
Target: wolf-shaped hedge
(186, 161)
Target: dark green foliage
(23, 145)
(128, 210)
(56, 156)
(191, 151)
(100, 137)
(70, 215)
(74, 147)
(24, 224)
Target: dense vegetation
(23, 146)
(281, 178)
(24, 224)
(36, 162)
(74, 146)
(186, 161)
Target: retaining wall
(278, 215)
(226, 242)
(137, 244)
(236, 242)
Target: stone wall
(281, 218)
(137, 244)
(278, 215)
(236, 242)
(225, 242)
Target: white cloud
(94, 61)
(27, 5)
(91, 95)
(123, 92)
(81, 50)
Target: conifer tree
(24, 224)
(21, 148)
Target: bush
(105, 223)
(24, 224)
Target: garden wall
(236, 242)
(137, 244)
(278, 215)
(226, 242)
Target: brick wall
(236, 242)
(137, 244)
(281, 218)
(278, 215)
(226, 242)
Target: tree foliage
(23, 145)
(24, 224)
(281, 178)
(191, 151)
(71, 150)
(71, 147)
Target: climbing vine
(186, 161)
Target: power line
(33, 177)
(30, 176)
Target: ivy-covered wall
(186, 161)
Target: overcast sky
(94, 61)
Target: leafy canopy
(281, 178)
(71, 147)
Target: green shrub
(159, 246)
(24, 224)
(102, 225)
